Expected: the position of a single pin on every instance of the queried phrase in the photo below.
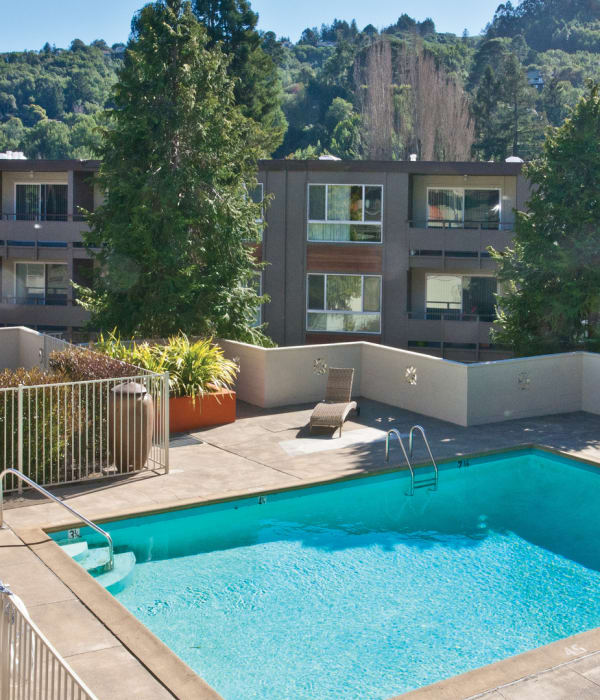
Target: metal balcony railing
(468, 224)
(450, 315)
(47, 300)
(27, 216)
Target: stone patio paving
(242, 458)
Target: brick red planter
(187, 413)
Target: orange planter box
(216, 408)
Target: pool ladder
(429, 481)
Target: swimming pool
(356, 591)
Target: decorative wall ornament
(524, 381)
(320, 366)
(411, 375)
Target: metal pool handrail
(426, 441)
(40, 489)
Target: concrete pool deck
(100, 640)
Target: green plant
(46, 419)
(195, 367)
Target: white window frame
(450, 274)
(463, 188)
(346, 313)
(36, 262)
(327, 185)
(39, 184)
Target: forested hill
(493, 94)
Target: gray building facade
(340, 233)
(391, 252)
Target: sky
(29, 24)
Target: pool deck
(98, 638)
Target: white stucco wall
(441, 385)
(524, 387)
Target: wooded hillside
(354, 93)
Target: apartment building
(391, 252)
(41, 247)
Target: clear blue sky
(28, 24)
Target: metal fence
(73, 431)
(30, 667)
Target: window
(42, 283)
(463, 208)
(345, 213)
(454, 295)
(344, 303)
(39, 202)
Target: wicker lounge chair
(333, 411)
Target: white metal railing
(30, 667)
(72, 431)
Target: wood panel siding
(335, 257)
(320, 338)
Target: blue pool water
(358, 592)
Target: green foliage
(507, 122)
(44, 95)
(178, 159)
(288, 89)
(231, 24)
(195, 368)
(550, 24)
(43, 411)
(551, 276)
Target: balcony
(15, 229)
(55, 310)
(446, 246)
(454, 327)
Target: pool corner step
(119, 577)
(76, 550)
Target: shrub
(46, 419)
(78, 364)
(195, 368)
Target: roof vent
(514, 159)
(413, 157)
(329, 157)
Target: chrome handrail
(426, 441)
(40, 489)
(396, 432)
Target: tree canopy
(178, 160)
(551, 275)
(289, 89)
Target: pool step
(95, 562)
(120, 576)
(76, 550)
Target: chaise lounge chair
(333, 411)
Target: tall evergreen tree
(232, 25)
(521, 125)
(551, 276)
(485, 113)
(178, 158)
